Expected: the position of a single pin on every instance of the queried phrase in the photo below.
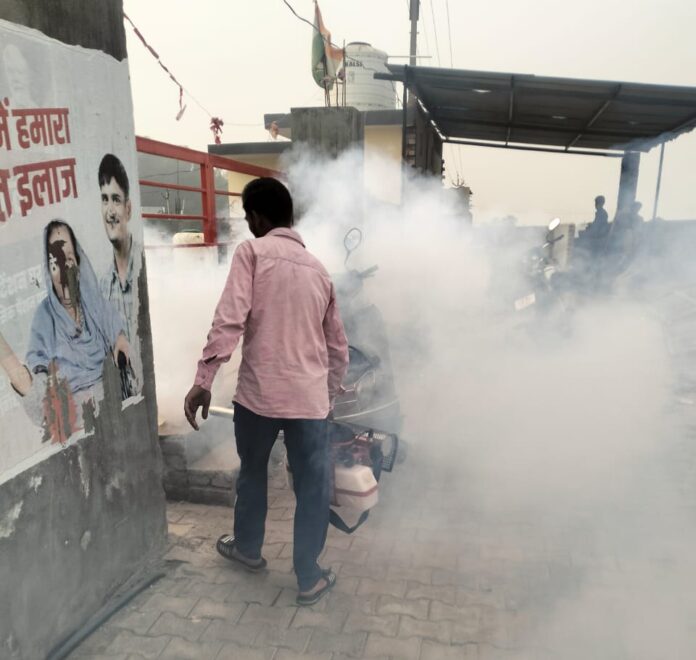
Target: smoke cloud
(570, 434)
(576, 437)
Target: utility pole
(413, 15)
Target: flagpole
(345, 74)
(413, 15)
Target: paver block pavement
(294, 639)
(421, 575)
(110, 656)
(435, 651)
(147, 647)
(446, 594)
(225, 632)
(336, 539)
(210, 609)
(183, 649)
(440, 631)
(280, 616)
(280, 565)
(348, 602)
(442, 612)
(475, 597)
(168, 586)
(346, 585)
(418, 609)
(199, 556)
(171, 624)
(259, 593)
(209, 574)
(216, 592)
(362, 571)
(135, 620)
(382, 587)
(288, 598)
(180, 605)
(444, 577)
(487, 604)
(404, 649)
(341, 556)
(331, 620)
(285, 654)
(351, 644)
(385, 625)
(234, 652)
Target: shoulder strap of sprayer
(340, 524)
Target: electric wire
(425, 34)
(449, 34)
(437, 42)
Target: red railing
(207, 164)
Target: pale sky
(243, 59)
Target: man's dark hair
(112, 168)
(269, 198)
(600, 199)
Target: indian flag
(326, 59)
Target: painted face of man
(116, 211)
(62, 264)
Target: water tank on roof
(362, 90)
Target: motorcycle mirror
(554, 224)
(352, 240)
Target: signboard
(70, 243)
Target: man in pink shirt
(294, 357)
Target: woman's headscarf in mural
(79, 351)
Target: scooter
(368, 398)
(541, 267)
(545, 310)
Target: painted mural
(70, 244)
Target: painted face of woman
(62, 264)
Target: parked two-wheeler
(369, 396)
(540, 270)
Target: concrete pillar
(628, 184)
(328, 131)
(81, 510)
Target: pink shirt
(295, 352)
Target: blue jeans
(307, 445)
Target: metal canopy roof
(562, 114)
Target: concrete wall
(383, 178)
(329, 131)
(382, 165)
(80, 514)
(428, 146)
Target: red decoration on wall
(59, 412)
(216, 125)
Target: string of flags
(216, 123)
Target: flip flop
(330, 578)
(227, 547)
